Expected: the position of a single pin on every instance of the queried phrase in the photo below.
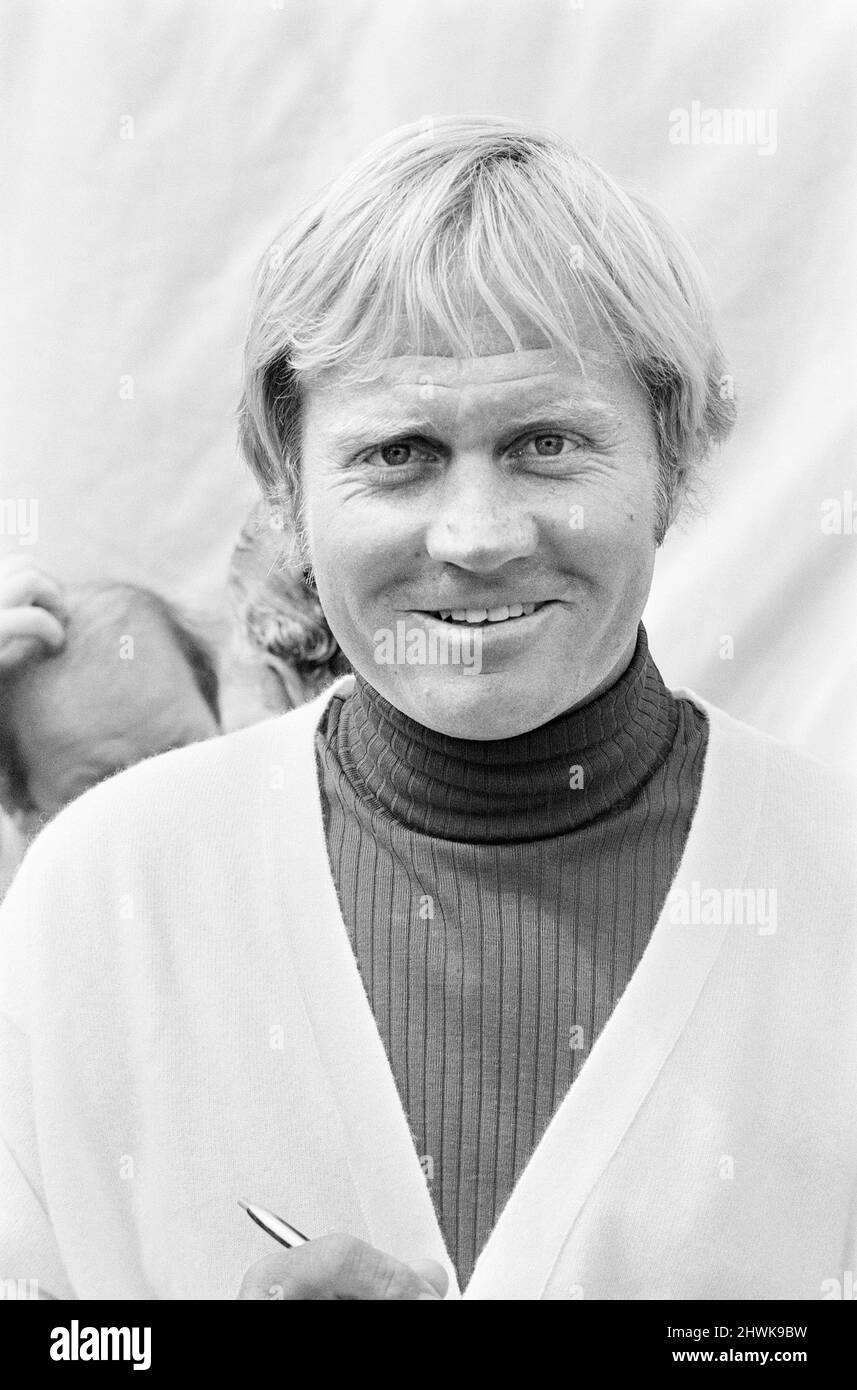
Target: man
(93, 678)
(499, 969)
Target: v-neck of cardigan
(590, 1123)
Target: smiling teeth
(491, 615)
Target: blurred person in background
(282, 629)
(93, 677)
(33, 615)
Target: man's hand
(338, 1266)
(32, 613)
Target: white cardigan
(184, 1024)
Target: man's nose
(479, 520)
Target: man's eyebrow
(583, 410)
(363, 429)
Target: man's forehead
(530, 367)
(526, 378)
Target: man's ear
(280, 513)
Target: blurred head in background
(131, 679)
(281, 626)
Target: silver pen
(274, 1225)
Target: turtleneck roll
(498, 895)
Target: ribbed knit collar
(579, 766)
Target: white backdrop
(152, 148)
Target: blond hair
(443, 218)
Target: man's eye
(394, 455)
(405, 454)
(547, 446)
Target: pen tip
(245, 1205)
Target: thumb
(433, 1273)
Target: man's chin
(470, 705)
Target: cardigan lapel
(378, 1147)
(590, 1123)
(635, 1043)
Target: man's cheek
(349, 606)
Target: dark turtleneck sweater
(498, 896)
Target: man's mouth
(475, 617)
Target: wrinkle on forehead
(494, 369)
